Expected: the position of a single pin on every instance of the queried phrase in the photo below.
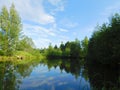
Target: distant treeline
(73, 49)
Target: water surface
(57, 75)
(43, 78)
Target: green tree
(53, 52)
(62, 46)
(4, 30)
(75, 49)
(84, 45)
(104, 45)
(25, 44)
(10, 28)
(55, 47)
(15, 29)
(66, 53)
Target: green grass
(26, 57)
(24, 54)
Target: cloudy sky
(53, 21)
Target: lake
(57, 75)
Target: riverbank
(21, 56)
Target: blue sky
(53, 21)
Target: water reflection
(58, 75)
(104, 77)
(11, 74)
(7, 77)
(71, 66)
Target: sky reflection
(42, 78)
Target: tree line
(71, 49)
(11, 37)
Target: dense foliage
(104, 45)
(10, 28)
(71, 49)
(11, 39)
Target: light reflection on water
(42, 78)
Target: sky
(56, 21)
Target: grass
(26, 57)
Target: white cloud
(40, 35)
(63, 30)
(42, 42)
(55, 2)
(111, 9)
(32, 13)
(31, 10)
(68, 23)
(59, 4)
(108, 12)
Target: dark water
(58, 75)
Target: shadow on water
(104, 77)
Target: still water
(42, 78)
(55, 75)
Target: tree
(55, 47)
(75, 49)
(15, 29)
(26, 44)
(66, 53)
(62, 46)
(53, 52)
(10, 28)
(68, 50)
(4, 30)
(84, 45)
(104, 45)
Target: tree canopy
(68, 50)
(10, 32)
(104, 45)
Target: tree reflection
(104, 77)
(11, 74)
(72, 66)
(7, 76)
(100, 77)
